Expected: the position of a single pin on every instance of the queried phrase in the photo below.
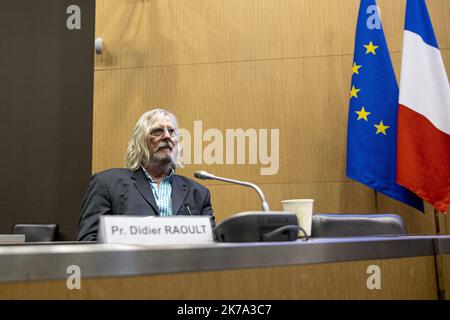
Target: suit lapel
(179, 192)
(144, 189)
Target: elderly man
(149, 186)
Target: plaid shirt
(163, 193)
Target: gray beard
(161, 160)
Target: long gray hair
(137, 151)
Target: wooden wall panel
(306, 99)
(446, 223)
(281, 64)
(407, 278)
(415, 221)
(149, 33)
(165, 32)
(342, 197)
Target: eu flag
(372, 118)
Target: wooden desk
(317, 269)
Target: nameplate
(12, 238)
(155, 230)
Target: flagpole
(437, 221)
(438, 261)
(376, 201)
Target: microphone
(252, 226)
(208, 176)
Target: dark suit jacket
(124, 192)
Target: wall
(46, 88)
(262, 64)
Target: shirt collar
(149, 177)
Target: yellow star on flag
(381, 128)
(355, 68)
(362, 114)
(370, 48)
(354, 92)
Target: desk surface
(50, 261)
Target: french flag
(423, 145)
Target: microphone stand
(253, 225)
(205, 175)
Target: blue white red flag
(423, 146)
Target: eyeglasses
(158, 132)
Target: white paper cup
(303, 208)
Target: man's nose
(166, 134)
